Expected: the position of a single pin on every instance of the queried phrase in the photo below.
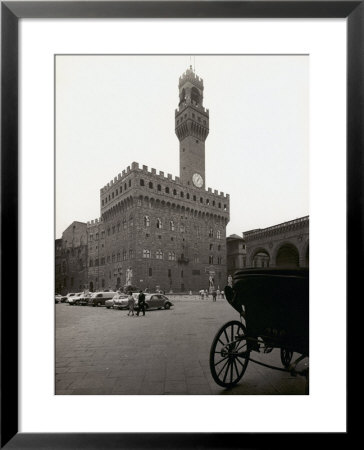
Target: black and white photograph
(182, 224)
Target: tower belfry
(192, 129)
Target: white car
(68, 296)
(120, 301)
(75, 298)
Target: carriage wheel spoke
(227, 338)
(236, 367)
(221, 360)
(241, 345)
(238, 359)
(226, 372)
(223, 367)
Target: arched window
(218, 234)
(146, 221)
(167, 190)
(211, 233)
(195, 96)
(141, 182)
(171, 256)
(171, 225)
(159, 187)
(174, 192)
(182, 97)
(159, 223)
(159, 254)
(146, 253)
(150, 185)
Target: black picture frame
(11, 13)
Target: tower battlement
(190, 76)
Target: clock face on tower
(197, 180)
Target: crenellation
(145, 168)
(135, 165)
(119, 176)
(169, 176)
(161, 173)
(209, 190)
(154, 172)
(124, 173)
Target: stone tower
(192, 128)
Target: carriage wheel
(286, 357)
(227, 367)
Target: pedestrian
(141, 303)
(206, 294)
(214, 293)
(218, 293)
(131, 303)
(202, 293)
(222, 294)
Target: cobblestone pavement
(104, 352)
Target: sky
(112, 110)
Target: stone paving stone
(156, 388)
(165, 352)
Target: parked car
(59, 297)
(99, 298)
(74, 298)
(120, 301)
(83, 297)
(155, 301)
(83, 301)
(68, 296)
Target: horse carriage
(274, 314)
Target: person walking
(141, 303)
(131, 303)
(214, 293)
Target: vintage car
(70, 295)
(74, 298)
(152, 301)
(157, 301)
(99, 298)
(120, 301)
(81, 299)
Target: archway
(287, 256)
(261, 259)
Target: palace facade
(157, 231)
